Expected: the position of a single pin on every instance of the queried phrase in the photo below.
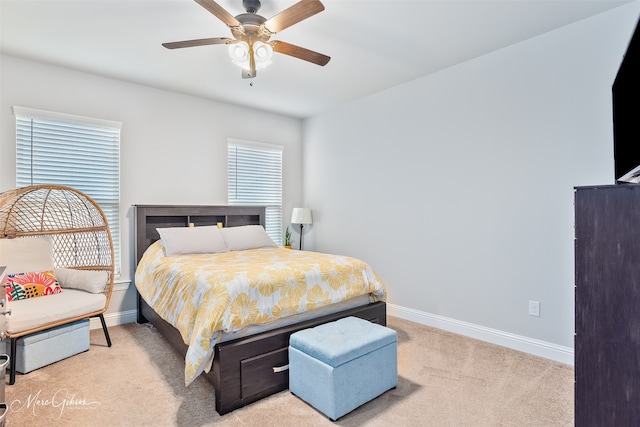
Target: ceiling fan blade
(292, 15)
(219, 12)
(299, 52)
(198, 42)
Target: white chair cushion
(34, 312)
(25, 254)
(84, 280)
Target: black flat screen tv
(626, 115)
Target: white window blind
(255, 178)
(79, 152)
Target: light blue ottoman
(341, 365)
(46, 347)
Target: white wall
(173, 147)
(458, 187)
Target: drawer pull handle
(281, 368)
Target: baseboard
(114, 319)
(536, 347)
(533, 346)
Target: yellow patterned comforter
(205, 295)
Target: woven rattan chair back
(75, 223)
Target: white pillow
(84, 280)
(247, 237)
(24, 254)
(192, 240)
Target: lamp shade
(301, 216)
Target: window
(255, 178)
(79, 152)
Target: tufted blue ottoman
(341, 365)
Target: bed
(250, 364)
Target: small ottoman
(341, 365)
(49, 346)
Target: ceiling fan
(251, 48)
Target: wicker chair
(79, 232)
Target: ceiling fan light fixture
(262, 53)
(239, 53)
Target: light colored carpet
(444, 380)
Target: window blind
(255, 178)
(79, 152)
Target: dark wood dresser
(607, 305)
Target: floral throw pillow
(31, 285)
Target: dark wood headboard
(150, 217)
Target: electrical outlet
(534, 308)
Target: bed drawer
(265, 372)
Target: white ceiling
(373, 44)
